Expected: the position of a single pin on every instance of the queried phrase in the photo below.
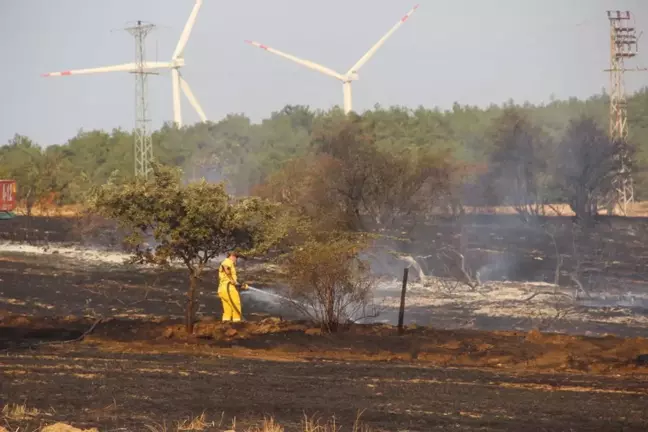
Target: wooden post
(401, 312)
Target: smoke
(414, 264)
(630, 300)
(210, 170)
(389, 258)
(497, 267)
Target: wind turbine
(177, 62)
(351, 74)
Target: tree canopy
(246, 154)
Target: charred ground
(128, 374)
(139, 368)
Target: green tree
(191, 223)
(42, 175)
(245, 154)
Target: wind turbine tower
(143, 140)
(351, 74)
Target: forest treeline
(520, 155)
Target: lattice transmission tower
(143, 140)
(623, 46)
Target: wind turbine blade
(382, 40)
(116, 68)
(309, 64)
(127, 67)
(157, 65)
(186, 32)
(192, 99)
(175, 81)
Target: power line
(623, 46)
(143, 140)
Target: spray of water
(280, 297)
(269, 294)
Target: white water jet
(271, 294)
(282, 299)
(287, 300)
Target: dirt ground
(55, 285)
(129, 374)
(138, 368)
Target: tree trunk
(191, 302)
(330, 310)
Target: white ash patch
(518, 300)
(74, 252)
(89, 255)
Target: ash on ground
(104, 284)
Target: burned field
(130, 374)
(138, 368)
(83, 385)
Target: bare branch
(466, 277)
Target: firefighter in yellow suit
(228, 287)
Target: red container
(7, 195)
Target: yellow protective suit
(228, 293)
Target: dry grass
(51, 210)
(269, 424)
(636, 209)
(21, 414)
(158, 427)
(311, 424)
(198, 423)
(15, 412)
(9, 428)
(195, 424)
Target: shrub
(330, 283)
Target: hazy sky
(470, 51)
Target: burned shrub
(329, 282)
(589, 164)
(519, 173)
